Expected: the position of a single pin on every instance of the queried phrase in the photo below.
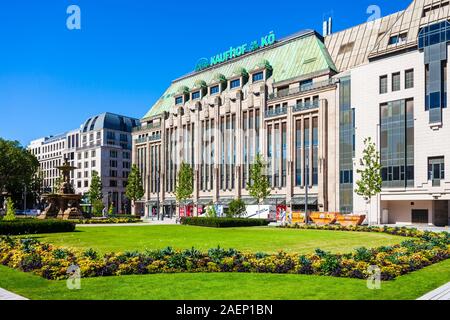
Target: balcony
(305, 106)
(152, 138)
(276, 112)
(147, 127)
(301, 89)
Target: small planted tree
(185, 184)
(370, 183)
(236, 209)
(95, 194)
(10, 211)
(258, 185)
(135, 189)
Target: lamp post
(306, 188)
(157, 195)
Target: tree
(36, 186)
(185, 184)
(370, 183)
(135, 189)
(10, 211)
(111, 209)
(95, 195)
(211, 212)
(258, 185)
(236, 208)
(17, 168)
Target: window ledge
(436, 126)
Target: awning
(300, 201)
(205, 201)
(152, 203)
(250, 201)
(225, 201)
(275, 201)
(169, 202)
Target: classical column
(323, 156)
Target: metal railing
(300, 89)
(147, 127)
(152, 138)
(305, 106)
(276, 112)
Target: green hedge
(224, 222)
(35, 226)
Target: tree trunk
(133, 208)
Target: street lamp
(306, 188)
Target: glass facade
(433, 41)
(397, 143)
(346, 145)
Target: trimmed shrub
(224, 222)
(35, 226)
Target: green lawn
(259, 239)
(226, 286)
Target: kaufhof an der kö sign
(235, 52)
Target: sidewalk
(6, 295)
(442, 293)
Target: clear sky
(125, 55)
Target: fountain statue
(64, 204)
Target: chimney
(327, 26)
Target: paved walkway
(6, 295)
(442, 293)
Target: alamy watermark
(374, 279)
(73, 21)
(74, 280)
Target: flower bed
(52, 262)
(108, 221)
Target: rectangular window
(178, 100)
(383, 84)
(235, 83)
(409, 79)
(214, 90)
(436, 170)
(196, 95)
(258, 76)
(396, 81)
(298, 152)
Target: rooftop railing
(300, 89)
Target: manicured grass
(258, 239)
(226, 286)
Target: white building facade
(101, 144)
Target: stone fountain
(64, 204)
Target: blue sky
(125, 55)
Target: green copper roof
(290, 58)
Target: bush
(236, 208)
(10, 211)
(224, 222)
(35, 226)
